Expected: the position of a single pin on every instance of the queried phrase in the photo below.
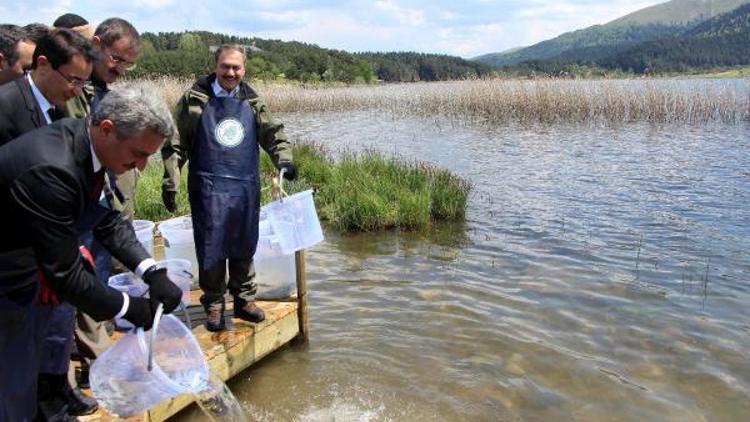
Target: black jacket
(19, 111)
(46, 183)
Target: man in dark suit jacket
(16, 50)
(50, 184)
(62, 63)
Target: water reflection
(602, 274)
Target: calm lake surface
(602, 274)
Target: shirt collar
(40, 99)
(94, 159)
(221, 92)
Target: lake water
(602, 274)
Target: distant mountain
(717, 42)
(650, 23)
(678, 12)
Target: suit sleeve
(118, 237)
(271, 136)
(50, 200)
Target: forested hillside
(597, 41)
(189, 54)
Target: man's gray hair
(135, 109)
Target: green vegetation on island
(358, 192)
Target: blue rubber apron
(223, 183)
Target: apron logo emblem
(229, 132)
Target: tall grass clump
(360, 192)
(507, 100)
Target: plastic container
(121, 382)
(133, 286)
(144, 231)
(178, 239)
(275, 272)
(180, 272)
(294, 222)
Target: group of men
(70, 153)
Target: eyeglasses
(122, 63)
(76, 82)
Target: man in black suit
(62, 63)
(50, 185)
(16, 50)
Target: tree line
(189, 54)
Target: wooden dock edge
(230, 352)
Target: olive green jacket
(176, 152)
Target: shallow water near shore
(602, 274)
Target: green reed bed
(359, 192)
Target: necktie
(96, 190)
(55, 114)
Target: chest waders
(223, 182)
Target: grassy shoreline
(359, 192)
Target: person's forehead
(26, 47)
(230, 56)
(123, 46)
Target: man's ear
(96, 40)
(107, 126)
(42, 61)
(3, 62)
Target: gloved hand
(168, 197)
(141, 312)
(162, 289)
(290, 171)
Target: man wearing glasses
(118, 44)
(16, 52)
(61, 65)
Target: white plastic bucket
(133, 286)
(180, 272)
(295, 222)
(275, 272)
(121, 382)
(144, 231)
(178, 239)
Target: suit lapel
(35, 112)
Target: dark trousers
(241, 283)
(21, 332)
(58, 337)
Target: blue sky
(462, 28)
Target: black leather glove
(290, 171)
(141, 312)
(168, 196)
(162, 289)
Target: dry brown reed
(502, 100)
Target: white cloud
(466, 29)
(404, 16)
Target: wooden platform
(242, 344)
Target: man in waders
(221, 121)
(50, 184)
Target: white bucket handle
(154, 330)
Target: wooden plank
(229, 352)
